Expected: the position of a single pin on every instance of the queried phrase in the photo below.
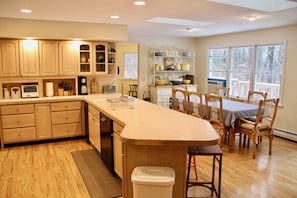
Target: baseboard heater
(285, 134)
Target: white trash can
(152, 181)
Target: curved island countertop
(150, 124)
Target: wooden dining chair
(179, 99)
(214, 114)
(194, 104)
(262, 126)
(255, 96)
(223, 91)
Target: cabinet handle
(66, 118)
(18, 122)
(17, 110)
(66, 107)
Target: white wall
(286, 119)
(146, 44)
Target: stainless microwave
(30, 91)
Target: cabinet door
(94, 131)
(29, 58)
(85, 61)
(68, 57)
(43, 121)
(9, 58)
(100, 57)
(48, 54)
(118, 155)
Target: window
(217, 63)
(258, 68)
(130, 65)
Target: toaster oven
(30, 91)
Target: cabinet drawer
(61, 117)
(117, 128)
(15, 121)
(94, 111)
(67, 130)
(19, 135)
(63, 106)
(17, 109)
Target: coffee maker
(82, 85)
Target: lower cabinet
(18, 123)
(161, 95)
(66, 119)
(94, 128)
(117, 150)
(43, 121)
(40, 121)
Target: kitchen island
(156, 136)
(152, 135)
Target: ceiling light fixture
(189, 29)
(26, 11)
(140, 3)
(115, 17)
(251, 18)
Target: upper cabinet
(48, 58)
(29, 57)
(85, 58)
(9, 58)
(100, 57)
(112, 67)
(68, 57)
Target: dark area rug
(98, 180)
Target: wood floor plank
(48, 170)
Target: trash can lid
(153, 175)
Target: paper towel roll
(49, 89)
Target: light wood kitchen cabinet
(9, 58)
(94, 127)
(66, 119)
(49, 58)
(117, 150)
(100, 58)
(68, 57)
(85, 59)
(18, 123)
(29, 57)
(43, 121)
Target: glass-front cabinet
(101, 63)
(97, 58)
(85, 61)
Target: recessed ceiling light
(190, 29)
(251, 18)
(26, 10)
(115, 17)
(139, 3)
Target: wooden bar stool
(133, 90)
(217, 154)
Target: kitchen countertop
(145, 123)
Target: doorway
(128, 67)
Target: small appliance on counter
(82, 85)
(28, 91)
(15, 92)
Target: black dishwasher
(106, 137)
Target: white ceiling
(214, 18)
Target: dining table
(232, 110)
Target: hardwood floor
(48, 170)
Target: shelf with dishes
(172, 66)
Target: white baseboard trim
(285, 134)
